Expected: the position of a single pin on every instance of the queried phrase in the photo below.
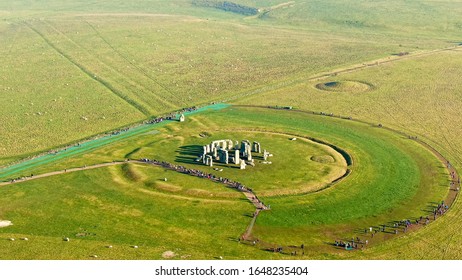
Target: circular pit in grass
(345, 86)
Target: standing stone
(230, 144)
(221, 155)
(236, 157)
(182, 118)
(242, 166)
(224, 157)
(265, 155)
(248, 152)
(254, 147)
(243, 148)
(215, 152)
(209, 160)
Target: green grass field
(82, 66)
(393, 178)
(74, 69)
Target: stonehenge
(227, 151)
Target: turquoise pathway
(91, 145)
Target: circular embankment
(393, 178)
(345, 86)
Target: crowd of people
(201, 174)
(351, 244)
(171, 116)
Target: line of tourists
(201, 174)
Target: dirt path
(265, 10)
(380, 61)
(248, 233)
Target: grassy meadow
(420, 96)
(393, 177)
(110, 207)
(74, 69)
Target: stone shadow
(189, 154)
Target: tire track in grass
(140, 70)
(13, 41)
(82, 68)
(120, 75)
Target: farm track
(82, 68)
(65, 171)
(110, 68)
(264, 11)
(125, 58)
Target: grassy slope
(418, 95)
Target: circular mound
(344, 86)
(323, 159)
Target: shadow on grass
(188, 160)
(189, 154)
(190, 150)
(132, 152)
